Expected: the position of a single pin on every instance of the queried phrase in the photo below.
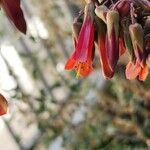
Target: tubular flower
(3, 105)
(101, 40)
(81, 59)
(14, 13)
(136, 33)
(112, 38)
(139, 67)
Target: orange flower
(134, 69)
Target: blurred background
(49, 108)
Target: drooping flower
(137, 67)
(112, 38)
(136, 34)
(81, 59)
(14, 13)
(3, 105)
(103, 55)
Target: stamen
(78, 70)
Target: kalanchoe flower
(81, 59)
(14, 13)
(112, 39)
(3, 105)
(101, 40)
(138, 67)
(136, 33)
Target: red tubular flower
(3, 105)
(112, 39)
(81, 59)
(14, 13)
(101, 29)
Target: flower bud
(112, 39)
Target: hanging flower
(3, 105)
(112, 38)
(103, 55)
(14, 13)
(138, 67)
(136, 34)
(81, 59)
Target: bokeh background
(49, 108)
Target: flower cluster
(15, 14)
(113, 26)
